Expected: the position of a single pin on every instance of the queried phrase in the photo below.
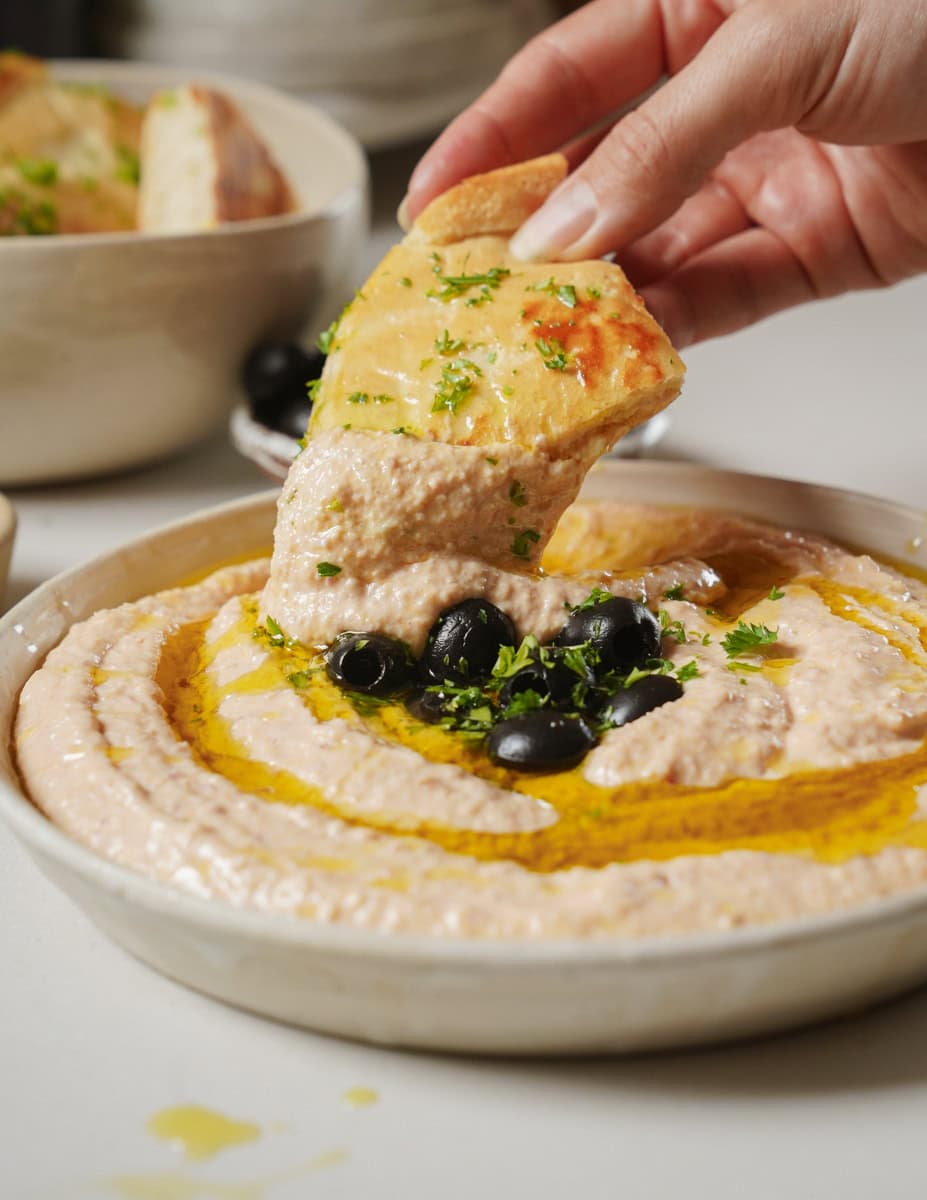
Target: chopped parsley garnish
(312, 389)
(359, 398)
(596, 596)
(458, 285)
(688, 671)
(34, 218)
(42, 171)
(335, 505)
(674, 629)
(555, 355)
(522, 542)
(594, 293)
(128, 166)
(512, 660)
(445, 344)
(522, 702)
(747, 637)
(458, 379)
(564, 292)
(299, 679)
(517, 494)
(405, 282)
(326, 339)
(275, 634)
(775, 593)
(673, 593)
(402, 430)
(382, 398)
(327, 570)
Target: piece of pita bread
(204, 165)
(453, 339)
(68, 154)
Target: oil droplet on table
(360, 1097)
(172, 1185)
(200, 1132)
(167, 1185)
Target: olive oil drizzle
(828, 814)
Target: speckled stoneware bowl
(504, 997)
(117, 349)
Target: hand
(783, 160)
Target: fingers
(763, 68)
(732, 285)
(712, 215)
(567, 79)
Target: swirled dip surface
(168, 737)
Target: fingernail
(557, 224)
(402, 215)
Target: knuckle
(545, 60)
(639, 152)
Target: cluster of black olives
(540, 707)
(275, 378)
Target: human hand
(784, 160)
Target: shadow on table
(881, 1048)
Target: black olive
(553, 680)
(625, 633)
(464, 642)
(646, 694)
(369, 662)
(540, 741)
(427, 706)
(293, 419)
(275, 376)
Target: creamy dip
(193, 736)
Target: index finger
(564, 81)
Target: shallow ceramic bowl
(118, 349)
(501, 996)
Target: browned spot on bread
(248, 184)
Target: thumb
(766, 67)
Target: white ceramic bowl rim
(115, 74)
(501, 953)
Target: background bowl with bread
(119, 344)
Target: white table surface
(92, 1043)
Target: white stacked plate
(387, 71)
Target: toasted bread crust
(18, 71)
(495, 203)
(451, 339)
(248, 182)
